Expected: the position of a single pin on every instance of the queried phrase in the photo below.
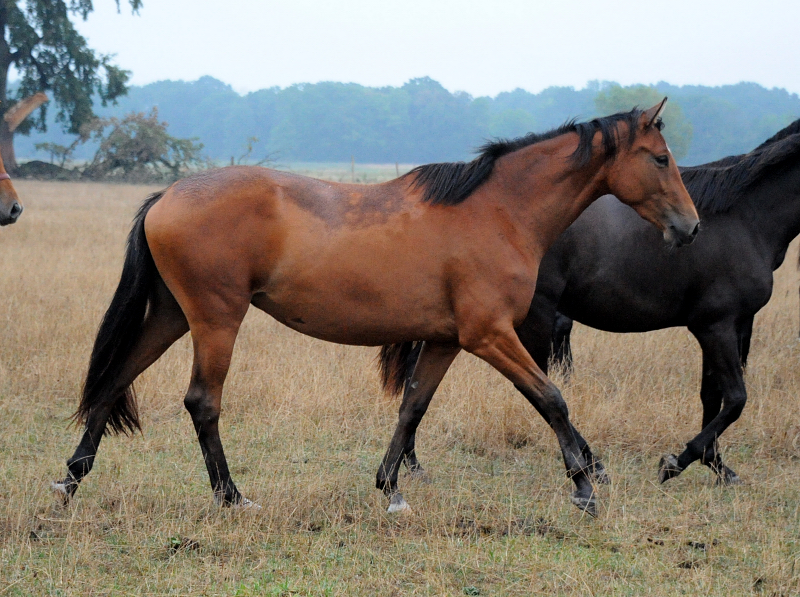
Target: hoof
(600, 476)
(419, 474)
(246, 504)
(62, 491)
(595, 469)
(727, 478)
(588, 505)
(668, 467)
(398, 504)
(242, 503)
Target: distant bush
(137, 148)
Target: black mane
(452, 182)
(717, 186)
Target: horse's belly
(621, 313)
(365, 321)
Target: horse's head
(645, 176)
(10, 205)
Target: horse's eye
(662, 161)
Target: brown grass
(305, 427)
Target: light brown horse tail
(396, 363)
(118, 333)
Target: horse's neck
(774, 208)
(543, 190)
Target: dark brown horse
(447, 253)
(750, 205)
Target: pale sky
(482, 47)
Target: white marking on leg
(60, 490)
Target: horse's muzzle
(678, 236)
(12, 216)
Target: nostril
(696, 229)
(16, 210)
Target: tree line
(423, 122)
(93, 115)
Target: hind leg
(410, 459)
(213, 347)
(414, 466)
(164, 324)
(561, 345)
(434, 360)
(214, 319)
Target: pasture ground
(305, 426)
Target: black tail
(396, 363)
(119, 332)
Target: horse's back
(262, 212)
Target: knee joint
(552, 399)
(412, 413)
(735, 403)
(200, 408)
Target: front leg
(711, 397)
(536, 333)
(434, 360)
(502, 349)
(723, 394)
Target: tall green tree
(40, 43)
(677, 129)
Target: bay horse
(447, 253)
(611, 273)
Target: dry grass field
(305, 425)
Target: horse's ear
(652, 115)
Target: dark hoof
(233, 501)
(727, 477)
(668, 467)
(588, 505)
(600, 476)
